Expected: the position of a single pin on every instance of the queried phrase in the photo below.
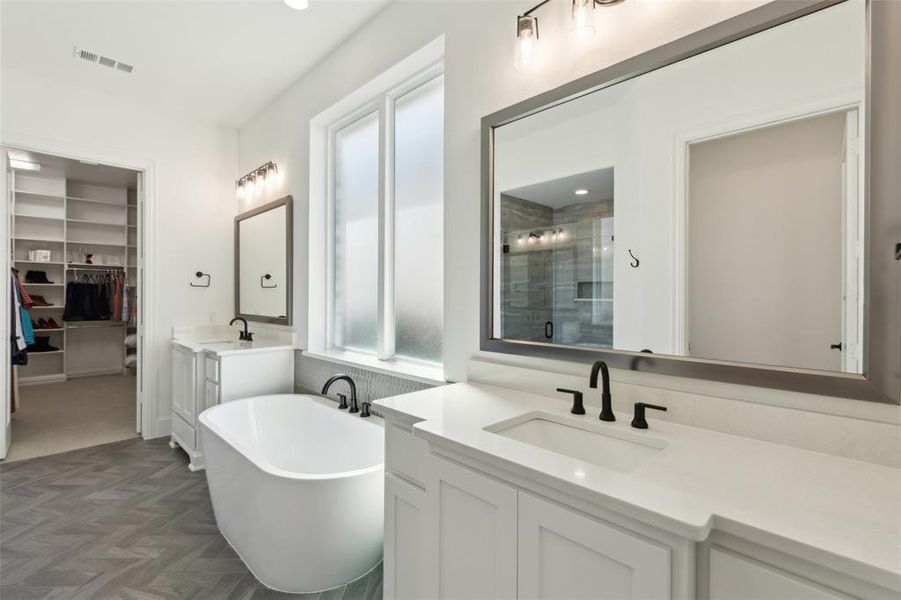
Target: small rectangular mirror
(263, 263)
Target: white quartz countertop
(226, 347)
(838, 512)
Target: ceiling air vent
(103, 60)
(85, 55)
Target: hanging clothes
(18, 345)
(92, 299)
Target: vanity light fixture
(527, 47)
(263, 176)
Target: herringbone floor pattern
(125, 520)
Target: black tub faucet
(353, 390)
(606, 400)
(245, 335)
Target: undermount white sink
(589, 442)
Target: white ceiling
(560, 192)
(218, 60)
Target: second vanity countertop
(842, 513)
(229, 347)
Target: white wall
(480, 79)
(194, 167)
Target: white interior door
(139, 395)
(6, 203)
(852, 263)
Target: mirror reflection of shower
(557, 265)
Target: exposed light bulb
(527, 54)
(581, 192)
(582, 19)
(298, 4)
(239, 188)
(272, 174)
(250, 185)
(519, 239)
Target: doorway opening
(74, 236)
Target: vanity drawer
(183, 433)
(212, 369)
(405, 455)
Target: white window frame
(384, 105)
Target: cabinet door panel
(184, 384)
(473, 522)
(212, 394)
(735, 577)
(563, 554)
(405, 566)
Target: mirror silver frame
(881, 380)
(287, 202)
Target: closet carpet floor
(126, 520)
(82, 412)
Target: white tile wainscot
(210, 366)
(471, 513)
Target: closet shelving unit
(72, 219)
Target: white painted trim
(838, 101)
(421, 372)
(5, 229)
(155, 425)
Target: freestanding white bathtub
(297, 488)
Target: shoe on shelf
(36, 277)
(43, 324)
(41, 344)
(36, 324)
(39, 301)
(51, 324)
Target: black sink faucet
(606, 400)
(244, 335)
(353, 390)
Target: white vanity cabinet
(564, 554)
(205, 374)
(467, 534)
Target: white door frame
(842, 101)
(147, 399)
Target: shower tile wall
(540, 283)
(311, 373)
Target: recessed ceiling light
(581, 192)
(298, 4)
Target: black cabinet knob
(578, 408)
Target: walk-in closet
(74, 255)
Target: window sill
(430, 375)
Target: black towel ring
(267, 277)
(636, 263)
(200, 275)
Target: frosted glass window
(356, 234)
(418, 221)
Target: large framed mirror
(701, 210)
(263, 259)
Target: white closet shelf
(38, 195)
(93, 201)
(32, 353)
(92, 324)
(93, 266)
(38, 239)
(36, 262)
(51, 307)
(37, 217)
(104, 223)
(90, 243)
(51, 330)
(43, 284)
